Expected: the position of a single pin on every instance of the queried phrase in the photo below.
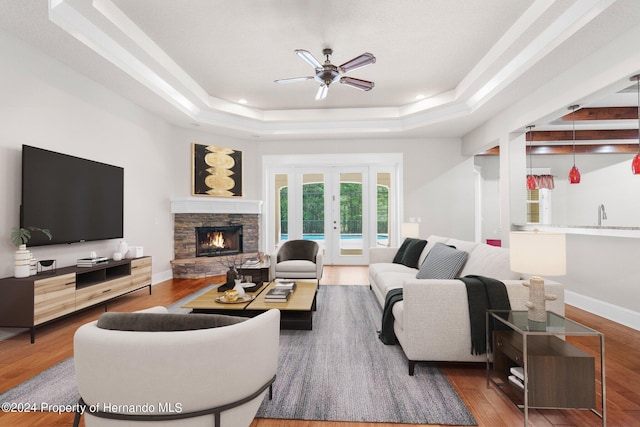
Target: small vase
(33, 265)
(22, 265)
(123, 248)
(238, 287)
(232, 275)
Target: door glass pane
(281, 207)
(382, 210)
(351, 242)
(313, 207)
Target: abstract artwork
(217, 171)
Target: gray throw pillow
(163, 322)
(442, 262)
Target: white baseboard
(162, 276)
(617, 314)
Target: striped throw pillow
(442, 262)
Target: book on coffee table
(278, 295)
(287, 285)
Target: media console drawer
(91, 295)
(53, 297)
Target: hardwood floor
(20, 360)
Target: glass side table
(534, 367)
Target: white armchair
(211, 371)
(297, 259)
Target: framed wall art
(217, 171)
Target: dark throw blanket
(483, 294)
(386, 334)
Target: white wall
(47, 105)
(490, 188)
(605, 179)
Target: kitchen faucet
(601, 214)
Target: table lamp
(539, 253)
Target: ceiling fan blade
(357, 83)
(309, 58)
(358, 62)
(294, 79)
(322, 92)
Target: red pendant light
(635, 163)
(531, 181)
(574, 173)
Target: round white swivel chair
(216, 376)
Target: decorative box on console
(135, 252)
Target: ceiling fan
(328, 73)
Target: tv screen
(76, 199)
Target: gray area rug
(339, 371)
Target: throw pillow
(162, 322)
(412, 253)
(442, 262)
(403, 247)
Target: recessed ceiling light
(242, 101)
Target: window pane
(533, 206)
(313, 207)
(351, 242)
(281, 207)
(382, 210)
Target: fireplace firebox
(218, 241)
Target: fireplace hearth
(218, 241)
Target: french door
(345, 208)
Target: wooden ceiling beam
(603, 113)
(568, 149)
(583, 135)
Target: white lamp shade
(410, 229)
(536, 252)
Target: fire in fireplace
(218, 241)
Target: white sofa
(432, 322)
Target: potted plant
(20, 237)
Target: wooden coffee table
(296, 313)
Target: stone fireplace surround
(215, 212)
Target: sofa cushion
(442, 262)
(162, 322)
(489, 261)
(296, 266)
(410, 253)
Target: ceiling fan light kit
(328, 73)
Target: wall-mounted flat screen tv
(76, 199)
